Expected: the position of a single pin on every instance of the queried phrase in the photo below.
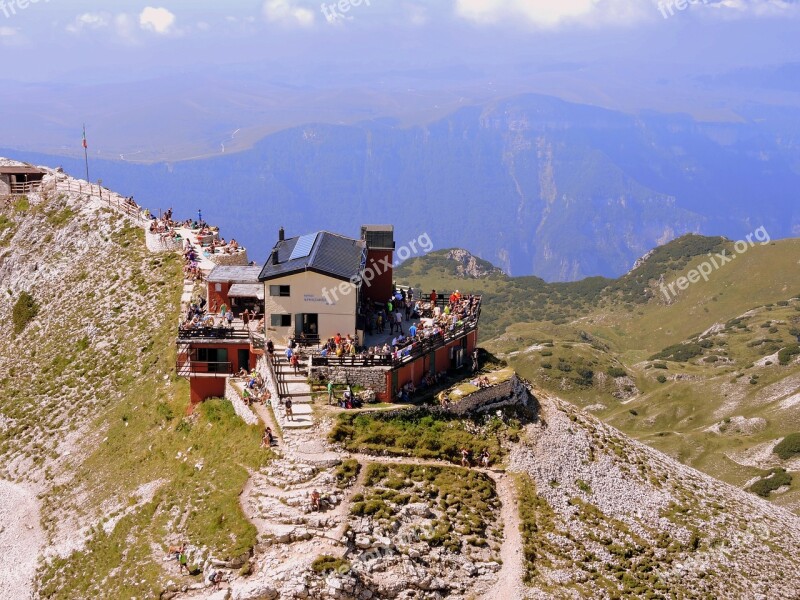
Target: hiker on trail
(223, 309)
(183, 562)
(330, 391)
(229, 318)
(289, 415)
(270, 347)
(266, 440)
(315, 500)
(295, 362)
(176, 551)
(485, 459)
(289, 353)
(214, 578)
(465, 458)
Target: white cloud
(758, 8)
(545, 13)
(7, 32)
(554, 13)
(285, 11)
(89, 21)
(157, 20)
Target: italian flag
(85, 145)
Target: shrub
(24, 311)
(22, 204)
(616, 372)
(661, 379)
(788, 446)
(327, 563)
(679, 352)
(776, 478)
(785, 355)
(547, 365)
(711, 359)
(346, 471)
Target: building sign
(319, 299)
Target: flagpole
(86, 152)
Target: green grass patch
(329, 564)
(422, 434)
(788, 447)
(25, 310)
(776, 478)
(346, 472)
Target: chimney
(281, 235)
(275, 256)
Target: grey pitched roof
(229, 274)
(334, 255)
(246, 290)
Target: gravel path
(509, 584)
(21, 539)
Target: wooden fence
(112, 199)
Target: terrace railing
(216, 369)
(416, 349)
(213, 333)
(27, 187)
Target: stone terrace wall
(373, 378)
(241, 409)
(239, 259)
(509, 393)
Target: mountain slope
(720, 400)
(92, 438)
(606, 517)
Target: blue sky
(194, 78)
(58, 38)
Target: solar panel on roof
(303, 246)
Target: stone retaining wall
(238, 259)
(509, 393)
(373, 378)
(241, 409)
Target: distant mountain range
(533, 184)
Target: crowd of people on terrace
(426, 319)
(206, 236)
